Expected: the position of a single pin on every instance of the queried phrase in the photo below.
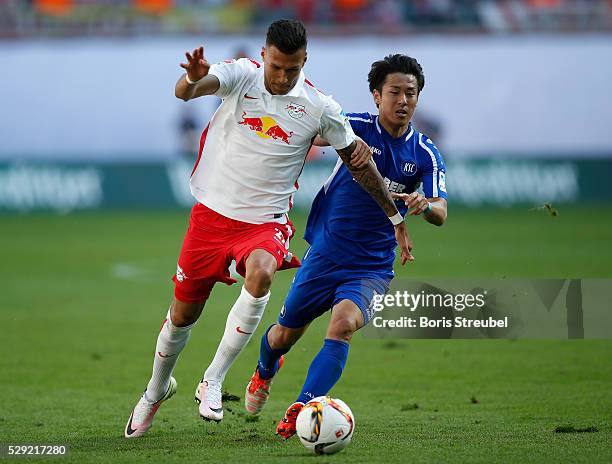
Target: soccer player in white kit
(251, 155)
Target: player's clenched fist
(417, 202)
(197, 67)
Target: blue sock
(268, 357)
(325, 370)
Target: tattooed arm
(372, 182)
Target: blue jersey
(345, 223)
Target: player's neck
(393, 130)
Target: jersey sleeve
(360, 122)
(230, 74)
(335, 127)
(434, 171)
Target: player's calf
(184, 314)
(283, 338)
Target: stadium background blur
(95, 155)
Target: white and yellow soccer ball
(325, 425)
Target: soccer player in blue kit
(352, 242)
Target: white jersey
(255, 146)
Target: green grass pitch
(83, 297)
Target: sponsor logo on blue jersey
(393, 186)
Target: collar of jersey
(394, 140)
(294, 92)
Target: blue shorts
(320, 284)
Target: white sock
(170, 342)
(242, 321)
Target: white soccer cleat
(208, 396)
(141, 419)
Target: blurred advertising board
(67, 187)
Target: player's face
(281, 71)
(397, 99)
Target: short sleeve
(360, 122)
(335, 126)
(230, 74)
(434, 171)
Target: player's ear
(305, 58)
(263, 53)
(376, 95)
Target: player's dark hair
(392, 64)
(288, 35)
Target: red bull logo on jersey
(266, 127)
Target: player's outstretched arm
(196, 82)
(372, 182)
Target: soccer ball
(325, 425)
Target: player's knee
(260, 276)
(342, 328)
(260, 267)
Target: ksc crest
(409, 168)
